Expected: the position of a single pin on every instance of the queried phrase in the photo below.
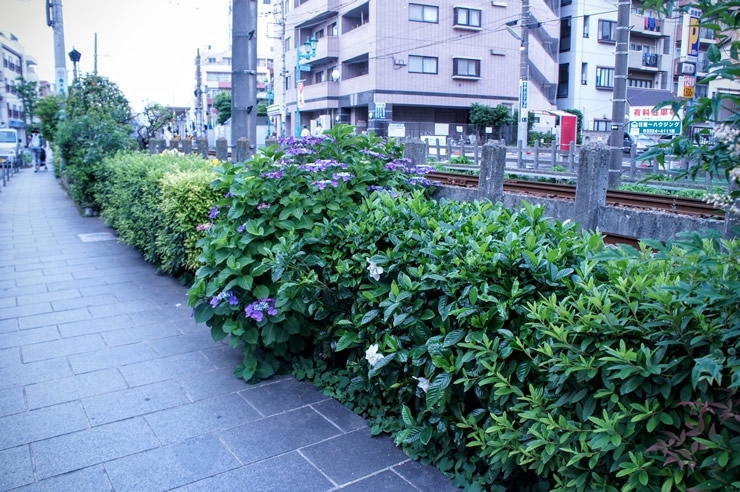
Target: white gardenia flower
(423, 383)
(374, 269)
(372, 356)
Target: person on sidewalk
(35, 145)
(305, 132)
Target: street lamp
(308, 53)
(75, 56)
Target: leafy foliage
(222, 103)
(157, 117)
(96, 125)
(482, 115)
(28, 91)
(269, 202)
(48, 109)
(155, 203)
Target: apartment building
(389, 66)
(16, 63)
(587, 59)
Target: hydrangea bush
(279, 195)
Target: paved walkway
(106, 383)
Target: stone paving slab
(107, 384)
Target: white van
(10, 146)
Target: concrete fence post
(536, 154)
(241, 152)
(492, 169)
(271, 141)
(415, 150)
(591, 185)
(175, 144)
(152, 146)
(203, 147)
(161, 145)
(732, 218)
(553, 154)
(222, 149)
(187, 146)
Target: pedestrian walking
(35, 145)
(305, 132)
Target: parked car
(10, 146)
(644, 142)
(626, 143)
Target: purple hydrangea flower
(203, 227)
(374, 154)
(228, 294)
(382, 189)
(240, 228)
(228, 195)
(421, 169)
(263, 205)
(323, 183)
(257, 309)
(342, 176)
(214, 213)
(418, 180)
(397, 165)
(232, 299)
(272, 175)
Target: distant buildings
(16, 63)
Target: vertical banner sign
(61, 80)
(379, 111)
(300, 101)
(523, 95)
(686, 85)
(690, 35)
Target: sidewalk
(106, 383)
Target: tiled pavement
(106, 383)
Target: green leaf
(453, 337)
(408, 419)
(261, 291)
(203, 312)
(369, 316)
(346, 340)
(437, 387)
(426, 434)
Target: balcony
(327, 49)
(646, 25)
(648, 62)
(313, 12)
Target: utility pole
(198, 95)
(619, 100)
(280, 20)
(95, 55)
(54, 20)
(521, 134)
(244, 73)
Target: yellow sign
(688, 92)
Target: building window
(607, 31)
(563, 80)
(641, 83)
(319, 77)
(584, 73)
(563, 3)
(423, 13)
(565, 34)
(331, 29)
(319, 34)
(586, 27)
(701, 90)
(464, 67)
(465, 17)
(604, 78)
(602, 125)
(422, 64)
(287, 44)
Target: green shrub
(185, 200)
(269, 201)
(627, 383)
(138, 201)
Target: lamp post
(75, 56)
(310, 52)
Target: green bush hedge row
(511, 351)
(155, 203)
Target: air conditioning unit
(684, 68)
(399, 62)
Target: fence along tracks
(679, 205)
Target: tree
(222, 102)
(710, 136)
(28, 91)
(157, 117)
(482, 116)
(97, 123)
(48, 110)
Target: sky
(147, 47)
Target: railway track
(688, 206)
